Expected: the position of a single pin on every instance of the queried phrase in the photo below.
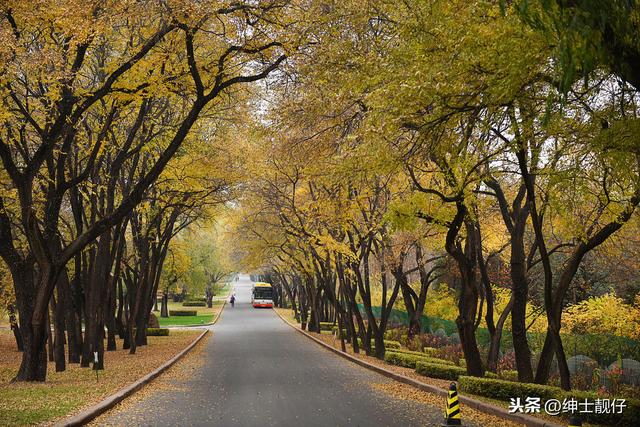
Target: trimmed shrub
(404, 351)
(430, 351)
(438, 370)
(326, 326)
(387, 344)
(194, 304)
(157, 332)
(391, 344)
(509, 375)
(410, 360)
(183, 313)
(630, 414)
(505, 390)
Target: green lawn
(205, 314)
(200, 319)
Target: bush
(410, 360)
(387, 344)
(507, 362)
(630, 414)
(404, 351)
(452, 352)
(183, 313)
(430, 351)
(397, 334)
(438, 370)
(157, 332)
(509, 375)
(433, 340)
(326, 326)
(505, 390)
(194, 304)
(392, 344)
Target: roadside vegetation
(464, 178)
(455, 178)
(75, 389)
(203, 316)
(109, 169)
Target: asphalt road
(259, 372)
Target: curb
(93, 412)
(487, 408)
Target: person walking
(232, 300)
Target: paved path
(259, 372)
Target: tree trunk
(209, 296)
(58, 311)
(15, 327)
(164, 307)
(109, 314)
(34, 357)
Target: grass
(70, 391)
(185, 320)
(205, 315)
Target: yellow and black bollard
(575, 421)
(452, 415)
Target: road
(257, 371)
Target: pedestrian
(232, 300)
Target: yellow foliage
(606, 314)
(442, 303)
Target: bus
(262, 295)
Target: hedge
(410, 360)
(157, 332)
(183, 313)
(429, 351)
(392, 344)
(438, 370)
(326, 326)
(194, 304)
(415, 353)
(509, 375)
(505, 390)
(388, 344)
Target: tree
(155, 49)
